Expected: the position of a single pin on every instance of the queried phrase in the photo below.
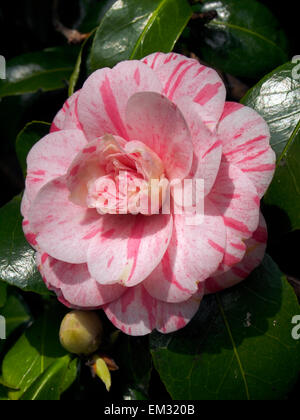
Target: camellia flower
(148, 123)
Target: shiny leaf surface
(134, 29)
(50, 385)
(15, 313)
(45, 70)
(17, 258)
(244, 40)
(277, 99)
(29, 359)
(239, 346)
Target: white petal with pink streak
(194, 253)
(256, 248)
(182, 76)
(237, 201)
(207, 147)
(62, 228)
(76, 284)
(154, 120)
(50, 159)
(246, 144)
(129, 248)
(104, 96)
(67, 117)
(137, 313)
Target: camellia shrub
(151, 205)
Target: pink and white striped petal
(137, 313)
(207, 147)
(234, 251)
(246, 144)
(129, 248)
(27, 229)
(62, 228)
(67, 117)
(25, 205)
(194, 253)
(75, 283)
(50, 158)
(104, 96)
(154, 120)
(236, 199)
(256, 248)
(155, 60)
(182, 76)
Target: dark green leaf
(17, 258)
(31, 134)
(76, 73)
(244, 40)
(134, 29)
(92, 12)
(49, 386)
(277, 99)
(3, 293)
(238, 347)
(134, 359)
(34, 352)
(3, 394)
(284, 192)
(70, 375)
(15, 313)
(45, 70)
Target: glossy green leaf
(49, 386)
(277, 99)
(239, 346)
(134, 29)
(34, 352)
(44, 70)
(17, 258)
(244, 40)
(70, 375)
(92, 11)
(284, 192)
(15, 313)
(31, 134)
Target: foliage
(239, 346)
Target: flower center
(131, 179)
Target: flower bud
(81, 332)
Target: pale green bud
(81, 332)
